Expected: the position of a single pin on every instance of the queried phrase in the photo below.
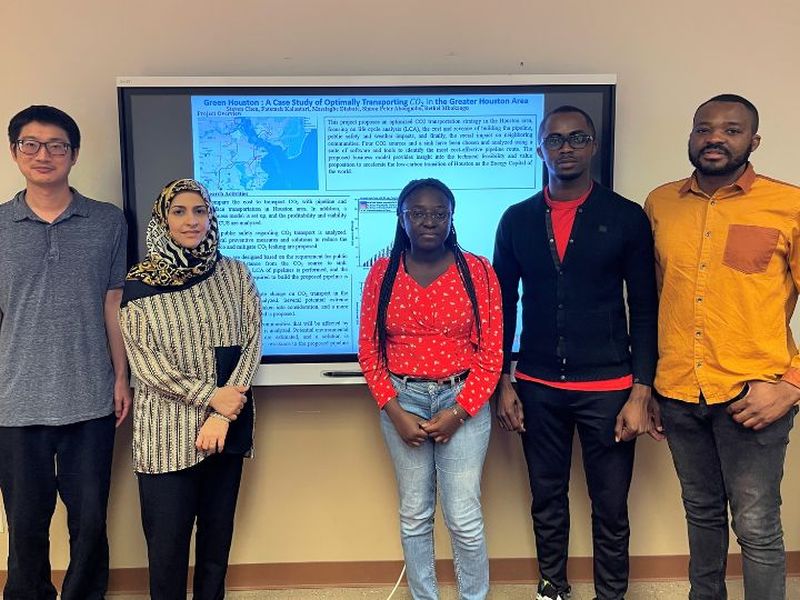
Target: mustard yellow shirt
(728, 271)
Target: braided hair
(402, 243)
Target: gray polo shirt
(55, 365)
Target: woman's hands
(415, 430)
(408, 425)
(211, 437)
(227, 403)
(444, 424)
(229, 400)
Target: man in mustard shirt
(727, 244)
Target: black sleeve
(508, 274)
(642, 296)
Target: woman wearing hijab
(430, 347)
(191, 321)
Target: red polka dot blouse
(431, 331)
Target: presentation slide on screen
(306, 190)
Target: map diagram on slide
(257, 153)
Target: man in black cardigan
(583, 362)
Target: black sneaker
(547, 591)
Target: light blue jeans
(456, 467)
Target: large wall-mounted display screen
(304, 175)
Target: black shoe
(547, 591)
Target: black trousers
(171, 502)
(551, 416)
(36, 464)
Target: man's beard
(734, 162)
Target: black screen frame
(602, 168)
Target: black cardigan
(574, 324)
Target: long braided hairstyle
(402, 243)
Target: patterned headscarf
(169, 264)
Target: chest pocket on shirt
(749, 248)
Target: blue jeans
(456, 467)
(721, 463)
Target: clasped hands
(227, 401)
(415, 430)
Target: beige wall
(321, 487)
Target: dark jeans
(36, 463)
(551, 416)
(721, 463)
(170, 504)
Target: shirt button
(698, 333)
(563, 378)
(571, 241)
(561, 271)
(708, 234)
(560, 306)
(702, 266)
(699, 364)
(713, 203)
(699, 298)
(551, 240)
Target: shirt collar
(78, 207)
(744, 183)
(567, 204)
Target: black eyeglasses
(420, 216)
(576, 140)
(32, 147)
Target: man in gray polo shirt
(63, 373)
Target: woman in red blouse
(430, 346)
